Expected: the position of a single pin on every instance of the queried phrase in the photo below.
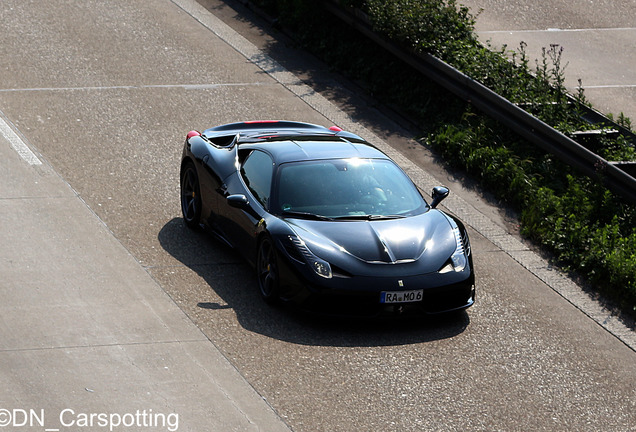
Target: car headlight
(318, 265)
(459, 259)
(321, 267)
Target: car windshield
(346, 189)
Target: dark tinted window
(257, 174)
(347, 187)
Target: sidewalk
(85, 330)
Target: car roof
(289, 141)
(295, 149)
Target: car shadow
(233, 280)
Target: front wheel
(190, 196)
(267, 271)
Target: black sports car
(328, 221)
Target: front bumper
(435, 301)
(362, 295)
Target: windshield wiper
(305, 215)
(369, 217)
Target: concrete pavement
(88, 340)
(598, 38)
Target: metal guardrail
(525, 124)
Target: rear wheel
(267, 271)
(190, 196)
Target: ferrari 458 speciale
(327, 220)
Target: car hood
(427, 237)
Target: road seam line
(556, 30)
(609, 86)
(134, 87)
(107, 345)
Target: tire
(267, 271)
(190, 196)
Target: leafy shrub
(435, 26)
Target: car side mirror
(241, 202)
(238, 201)
(438, 195)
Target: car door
(215, 163)
(254, 180)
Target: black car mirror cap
(241, 202)
(238, 201)
(438, 195)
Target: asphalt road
(105, 92)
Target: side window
(257, 173)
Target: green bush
(435, 26)
(592, 231)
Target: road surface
(103, 94)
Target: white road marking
(17, 143)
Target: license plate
(401, 296)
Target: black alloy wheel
(190, 196)
(267, 271)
